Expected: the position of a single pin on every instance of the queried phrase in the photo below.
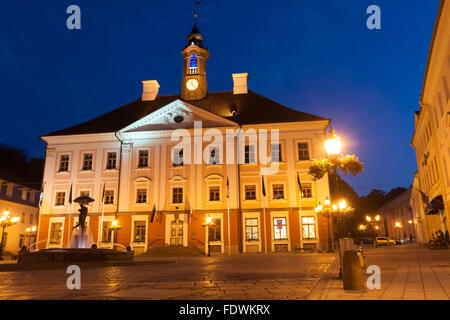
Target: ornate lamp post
(398, 226)
(5, 222)
(327, 210)
(208, 224)
(30, 232)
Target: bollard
(352, 273)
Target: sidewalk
(408, 272)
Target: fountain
(79, 250)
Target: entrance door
(176, 232)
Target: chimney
(149, 90)
(240, 83)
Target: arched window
(193, 63)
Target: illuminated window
(214, 230)
(64, 163)
(60, 198)
(276, 152)
(139, 231)
(111, 160)
(249, 154)
(109, 196)
(87, 162)
(143, 159)
(250, 192)
(309, 228)
(193, 63)
(251, 229)
(278, 191)
(280, 228)
(214, 155)
(141, 196)
(214, 194)
(55, 232)
(177, 195)
(178, 157)
(303, 151)
(306, 190)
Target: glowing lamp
(342, 204)
(208, 220)
(115, 223)
(6, 213)
(333, 144)
(377, 218)
(334, 207)
(368, 218)
(397, 224)
(15, 219)
(327, 202)
(28, 229)
(33, 229)
(410, 221)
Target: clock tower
(194, 85)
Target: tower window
(193, 63)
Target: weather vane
(197, 3)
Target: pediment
(177, 115)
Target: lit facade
(431, 139)
(128, 158)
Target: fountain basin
(66, 255)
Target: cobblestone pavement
(408, 272)
(253, 276)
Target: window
(214, 230)
(139, 231)
(84, 193)
(306, 190)
(309, 228)
(21, 241)
(193, 63)
(214, 155)
(143, 159)
(24, 195)
(111, 160)
(276, 152)
(55, 232)
(107, 232)
(64, 163)
(214, 193)
(109, 196)
(23, 217)
(177, 157)
(60, 198)
(280, 228)
(177, 195)
(303, 151)
(141, 196)
(249, 154)
(31, 219)
(87, 162)
(278, 191)
(250, 192)
(251, 229)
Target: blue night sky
(316, 56)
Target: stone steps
(173, 251)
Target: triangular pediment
(177, 115)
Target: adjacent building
(397, 220)
(161, 167)
(431, 140)
(19, 201)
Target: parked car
(384, 241)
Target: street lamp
(327, 210)
(397, 226)
(207, 224)
(5, 222)
(29, 232)
(114, 227)
(333, 145)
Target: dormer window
(193, 63)
(178, 119)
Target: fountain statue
(80, 240)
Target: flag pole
(228, 213)
(264, 214)
(70, 218)
(228, 216)
(100, 232)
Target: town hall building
(151, 191)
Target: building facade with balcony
(162, 165)
(431, 139)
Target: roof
(252, 108)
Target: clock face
(192, 84)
